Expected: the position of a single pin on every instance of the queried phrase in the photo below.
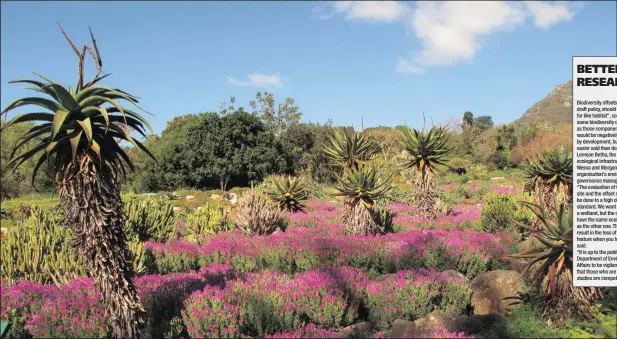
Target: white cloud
(259, 80)
(547, 15)
(403, 66)
(386, 11)
(450, 32)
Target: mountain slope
(555, 108)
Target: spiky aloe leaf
(78, 123)
(348, 148)
(426, 150)
(289, 192)
(364, 185)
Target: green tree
(483, 122)
(277, 118)
(16, 183)
(468, 118)
(82, 136)
(207, 151)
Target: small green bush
(497, 213)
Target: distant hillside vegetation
(555, 108)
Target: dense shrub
(306, 331)
(208, 315)
(496, 215)
(304, 143)
(223, 151)
(499, 159)
(301, 249)
(410, 295)
(269, 303)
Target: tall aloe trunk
(549, 193)
(94, 211)
(359, 219)
(425, 194)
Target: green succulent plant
(209, 219)
(554, 254)
(39, 250)
(550, 175)
(361, 188)
(425, 152)
(289, 192)
(152, 218)
(363, 185)
(348, 148)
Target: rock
(199, 208)
(215, 197)
(435, 321)
(358, 330)
(517, 264)
(495, 292)
(190, 197)
(404, 329)
(178, 209)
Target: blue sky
(385, 61)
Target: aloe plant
(348, 148)
(79, 132)
(550, 176)
(289, 192)
(425, 152)
(554, 254)
(361, 188)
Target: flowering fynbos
(209, 315)
(306, 331)
(75, 310)
(324, 245)
(413, 294)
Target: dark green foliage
(204, 150)
(500, 159)
(303, 144)
(483, 122)
(16, 183)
